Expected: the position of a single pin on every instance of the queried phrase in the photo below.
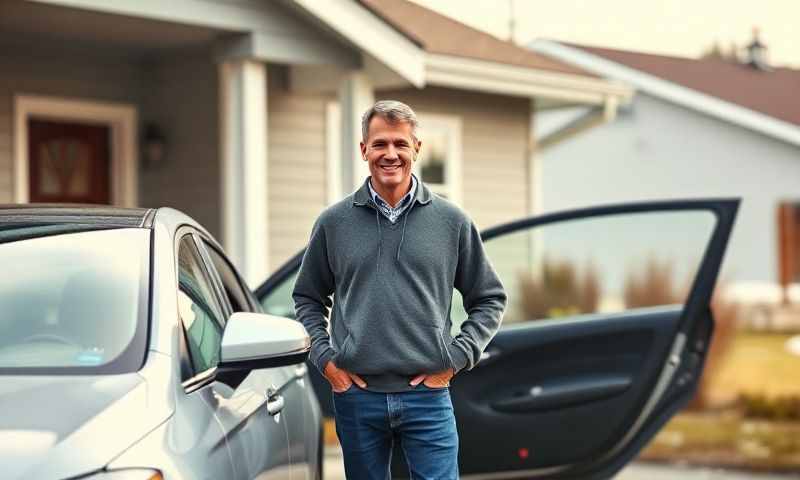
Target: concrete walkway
(334, 470)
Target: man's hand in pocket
(341, 379)
(434, 380)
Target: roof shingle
(774, 93)
(437, 33)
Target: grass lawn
(757, 363)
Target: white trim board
(121, 119)
(672, 92)
(372, 35)
(492, 77)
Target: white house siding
(182, 100)
(656, 150)
(494, 138)
(56, 73)
(297, 166)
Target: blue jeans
(422, 420)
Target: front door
(603, 339)
(68, 162)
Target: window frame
(208, 246)
(452, 126)
(198, 379)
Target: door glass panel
(601, 264)
(199, 310)
(64, 167)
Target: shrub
(781, 407)
(559, 290)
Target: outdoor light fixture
(154, 147)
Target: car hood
(61, 426)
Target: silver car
(130, 348)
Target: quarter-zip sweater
(389, 289)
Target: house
(695, 128)
(246, 114)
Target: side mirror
(254, 340)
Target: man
(391, 254)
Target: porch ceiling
(25, 21)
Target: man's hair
(391, 110)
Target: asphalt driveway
(334, 470)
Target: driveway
(334, 470)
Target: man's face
(390, 150)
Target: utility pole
(511, 23)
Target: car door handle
(560, 394)
(275, 404)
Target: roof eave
(672, 92)
(372, 35)
(492, 77)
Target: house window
(789, 242)
(439, 162)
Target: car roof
(95, 215)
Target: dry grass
(559, 291)
(727, 439)
(756, 363)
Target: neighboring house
(695, 128)
(246, 114)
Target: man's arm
(312, 296)
(484, 299)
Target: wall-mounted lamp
(154, 147)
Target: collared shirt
(393, 213)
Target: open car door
(603, 340)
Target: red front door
(69, 162)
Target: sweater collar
(361, 197)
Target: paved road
(334, 470)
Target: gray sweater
(393, 286)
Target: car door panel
(254, 413)
(577, 396)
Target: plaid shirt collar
(393, 213)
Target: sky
(670, 27)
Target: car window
(279, 300)
(69, 303)
(600, 264)
(236, 290)
(199, 310)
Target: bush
(559, 291)
(781, 407)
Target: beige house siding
(495, 186)
(183, 101)
(297, 166)
(61, 75)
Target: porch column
(356, 95)
(243, 130)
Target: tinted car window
(70, 303)
(234, 286)
(198, 308)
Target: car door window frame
(207, 246)
(202, 378)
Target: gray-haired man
(391, 254)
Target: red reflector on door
(523, 453)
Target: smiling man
(391, 254)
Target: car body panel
(148, 418)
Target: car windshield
(74, 302)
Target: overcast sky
(671, 27)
